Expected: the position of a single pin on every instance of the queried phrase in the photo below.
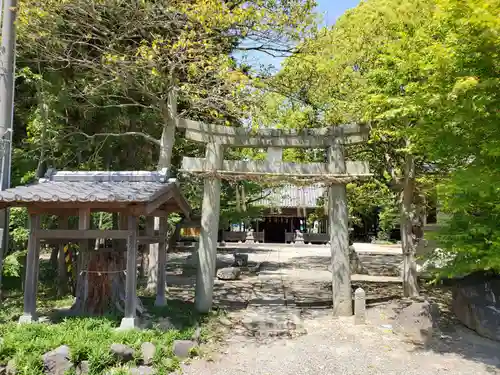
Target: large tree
(361, 70)
(424, 75)
(108, 74)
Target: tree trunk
(153, 261)
(144, 262)
(410, 277)
(99, 241)
(102, 278)
(167, 141)
(54, 252)
(82, 259)
(106, 283)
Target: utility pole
(7, 73)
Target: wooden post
(339, 234)
(129, 321)
(83, 259)
(161, 278)
(37, 262)
(62, 270)
(29, 312)
(207, 250)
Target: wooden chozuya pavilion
(131, 194)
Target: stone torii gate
(336, 173)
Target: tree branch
(134, 134)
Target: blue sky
(333, 9)
(330, 10)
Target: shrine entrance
(334, 174)
(274, 229)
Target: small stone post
(359, 306)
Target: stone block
(122, 353)
(57, 361)
(229, 273)
(148, 351)
(183, 348)
(476, 303)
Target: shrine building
(284, 210)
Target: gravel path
(331, 346)
(335, 347)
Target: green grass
(90, 337)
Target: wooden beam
(240, 137)
(80, 234)
(158, 201)
(71, 209)
(265, 167)
(143, 240)
(183, 205)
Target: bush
(471, 201)
(90, 338)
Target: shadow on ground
(433, 327)
(454, 337)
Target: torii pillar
(338, 219)
(210, 213)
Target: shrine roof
(77, 188)
(290, 196)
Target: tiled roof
(132, 187)
(289, 196)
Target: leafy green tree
(424, 74)
(462, 130)
(105, 70)
(95, 79)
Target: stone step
(376, 279)
(264, 322)
(314, 294)
(378, 264)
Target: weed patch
(90, 338)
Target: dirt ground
(278, 315)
